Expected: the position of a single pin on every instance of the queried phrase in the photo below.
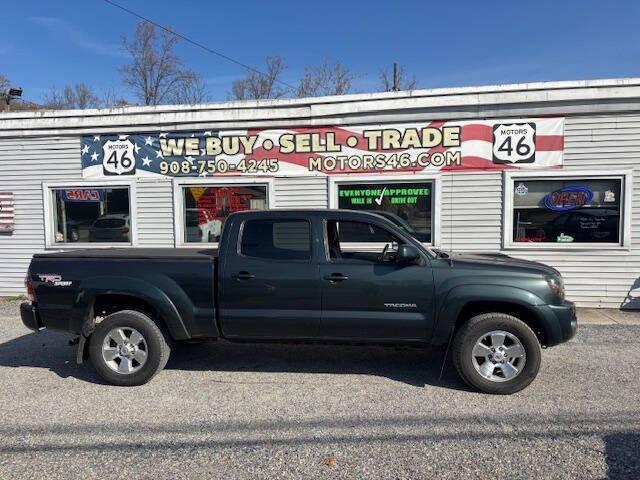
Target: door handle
(336, 277)
(245, 276)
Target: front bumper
(561, 322)
(30, 317)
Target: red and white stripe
(476, 145)
(7, 212)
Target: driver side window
(360, 242)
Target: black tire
(465, 341)
(156, 347)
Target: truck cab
(304, 275)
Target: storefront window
(206, 208)
(92, 215)
(407, 204)
(567, 211)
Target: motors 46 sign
(118, 157)
(416, 147)
(514, 143)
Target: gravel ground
(241, 411)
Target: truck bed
(183, 277)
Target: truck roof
(325, 212)
(195, 252)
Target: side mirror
(407, 254)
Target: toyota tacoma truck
(302, 276)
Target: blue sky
(49, 43)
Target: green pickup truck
(298, 275)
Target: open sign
(568, 198)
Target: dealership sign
(410, 148)
(373, 195)
(83, 195)
(568, 198)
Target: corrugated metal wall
(471, 206)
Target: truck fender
(134, 288)
(461, 295)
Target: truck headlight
(556, 284)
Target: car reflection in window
(586, 225)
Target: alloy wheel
(124, 350)
(498, 356)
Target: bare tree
(112, 99)
(4, 83)
(405, 82)
(84, 96)
(155, 74)
(55, 99)
(4, 86)
(78, 96)
(191, 91)
(256, 86)
(325, 79)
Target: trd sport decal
(54, 279)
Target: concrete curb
(607, 316)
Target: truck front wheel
(496, 353)
(127, 348)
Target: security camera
(14, 92)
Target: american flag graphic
(476, 145)
(7, 212)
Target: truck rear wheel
(127, 348)
(496, 353)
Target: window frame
(435, 178)
(178, 202)
(49, 208)
(511, 177)
(277, 219)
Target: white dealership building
(543, 171)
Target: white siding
(600, 278)
(155, 213)
(471, 206)
(24, 164)
(301, 192)
(472, 213)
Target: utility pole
(396, 87)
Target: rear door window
(276, 239)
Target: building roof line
(275, 104)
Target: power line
(193, 42)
